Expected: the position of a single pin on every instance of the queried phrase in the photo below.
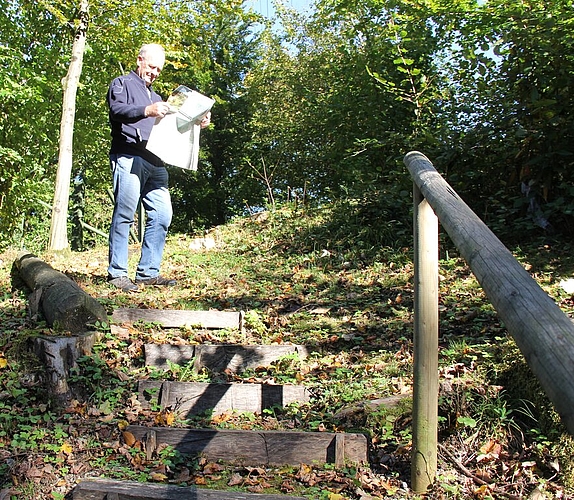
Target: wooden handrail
(541, 330)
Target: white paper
(175, 137)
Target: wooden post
(425, 385)
(543, 333)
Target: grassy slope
(313, 278)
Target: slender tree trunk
(58, 227)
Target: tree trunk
(58, 227)
(63, 303)
(60, 355)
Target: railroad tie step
(255, 447)
(107, 489)
(219, 358)
(187, 399)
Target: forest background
(323, 105)
(320, 106)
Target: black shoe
(157, 280)
(123, 283)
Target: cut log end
(63, 303)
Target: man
(137, 173)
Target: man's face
(149, 66)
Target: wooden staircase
(187, 399)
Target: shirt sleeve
(122, 105)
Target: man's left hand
(206, 120)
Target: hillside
(336, 281)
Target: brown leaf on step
(235, 480)
(212, 468)
(255, 471)
(220, 418)
(258, 488)
(158, 477)
(287, 487)
(129, 438)
(165, 417)
(306, 475)
(183, 476)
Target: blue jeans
(133, 179)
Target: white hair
(156, 48)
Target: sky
(265, 7)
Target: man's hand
(157, 109)
(206, 120)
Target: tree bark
(59, 226)
(63, 303)
(66, 307)
(60, 355)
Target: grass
(321, 278)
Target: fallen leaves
(165, 417)
(490, 451)
(351, 320)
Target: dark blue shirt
(128, 97)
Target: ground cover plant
(324, 278)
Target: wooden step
(195, 398)
(260, 448)
(177, 318)
(219, 357)
(107, 489)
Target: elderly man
(137, 173)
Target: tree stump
(60, 355)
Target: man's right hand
(157, 109)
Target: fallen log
(64, 305)
(67, 309)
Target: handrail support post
(425, 376)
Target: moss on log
(63, 303)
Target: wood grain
(196, 398)
(107, 489)
(261, 447)
(178, 318)
(220, 357)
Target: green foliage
(323, 108)
(22, 174)
(93, 381)
(510, 122)
(226, 51)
